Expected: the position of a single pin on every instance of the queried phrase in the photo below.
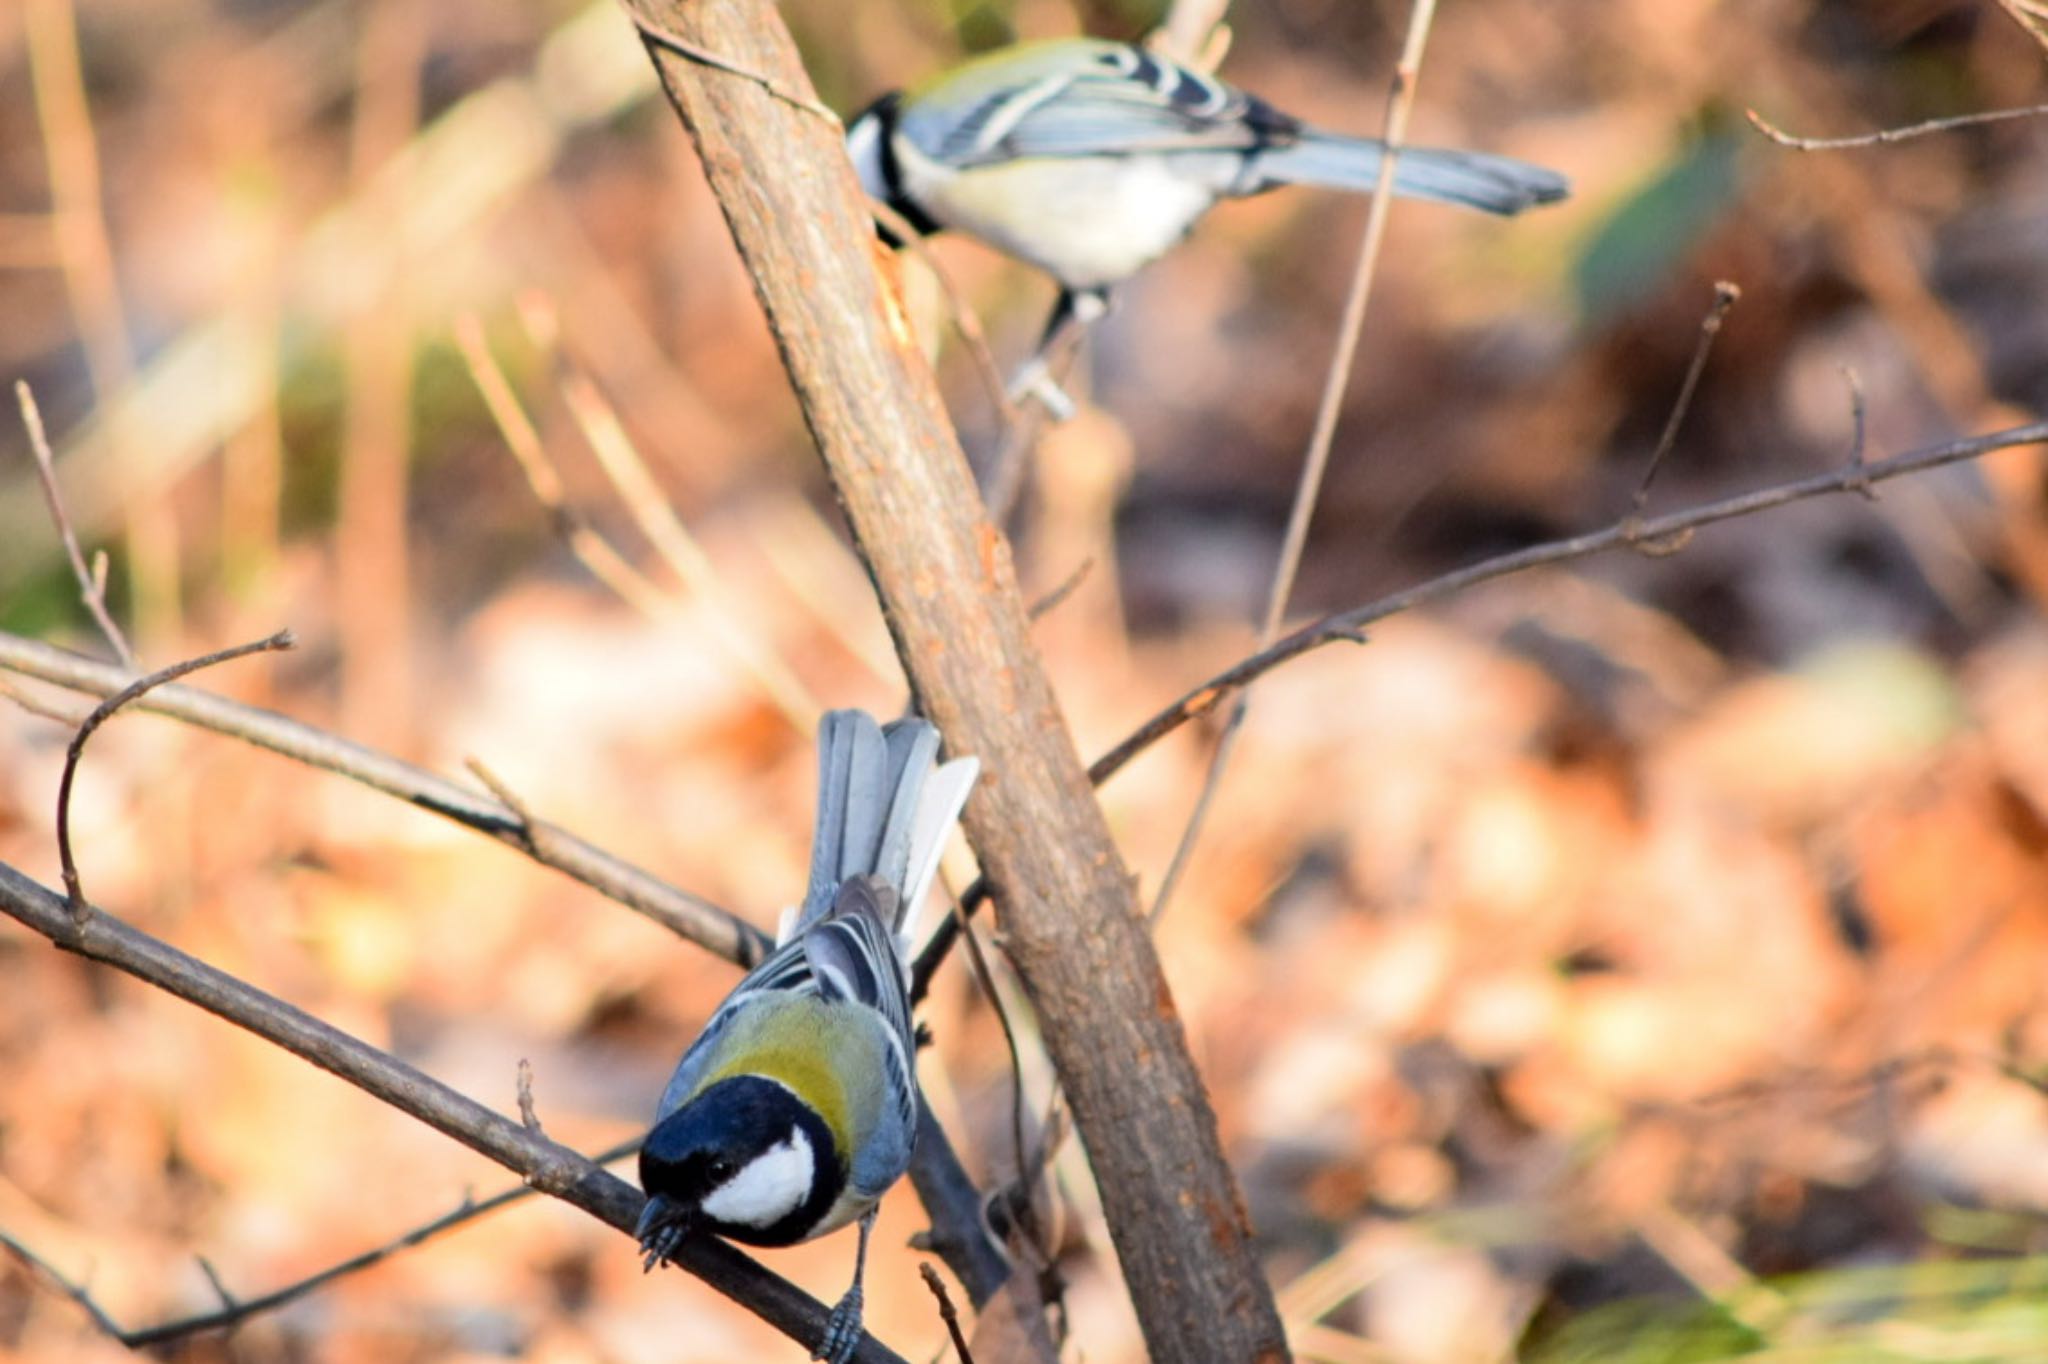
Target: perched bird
(797, 1107)
(1089, 159)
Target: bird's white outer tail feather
(883, 811)
(945, 795)
(1494, 184)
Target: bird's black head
(744, 1159)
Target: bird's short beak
(660, 1230)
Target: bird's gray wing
(1123, 101)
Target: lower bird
(1090, 159)
(796, 1108)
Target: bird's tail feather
(883, 810)
(1493, 184)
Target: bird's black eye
(720, 1169)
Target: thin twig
(947, 1312)
(235, 1310)
(1859, 422)
(1883, 135)
(985, 975)
(529, 828)
(1346, 625)
(1051, 601)
(105, 710)
(1343, 357)
(683, 47)
(547, 1166)
(92, 581)
(1725, 297)
(687, 915)
(529, 1116)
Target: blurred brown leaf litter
(1638, 961)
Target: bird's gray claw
(842, 1330)
(1035, 381)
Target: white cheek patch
(767, 1188)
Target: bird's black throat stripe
(886, 111)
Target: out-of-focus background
(1639, 961)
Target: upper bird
(796, 1108)
(1089, 158)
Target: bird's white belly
(1088, 221)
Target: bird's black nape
(885, 112)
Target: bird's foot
(842, 1330)
(1035, 381)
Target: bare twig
(92, 581)
(947, 1312)
(551, 1168)
(696, 52)
(104, 711)
(1050, 602)
(1308, 488)
(235, 1310)
(1883, 135)
(1859, 424)
(529, 1116)
(1346, 625)
(1725, 297)
(689, 916)
(985, 975)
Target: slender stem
(1725, 296)
(1884, 135)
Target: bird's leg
(1072, 314)
(842, 1328)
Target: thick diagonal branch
(948, 588)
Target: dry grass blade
(71, 152)
(2031, 15)
(595, 552)
(635, 484)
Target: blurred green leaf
(1644, 241)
